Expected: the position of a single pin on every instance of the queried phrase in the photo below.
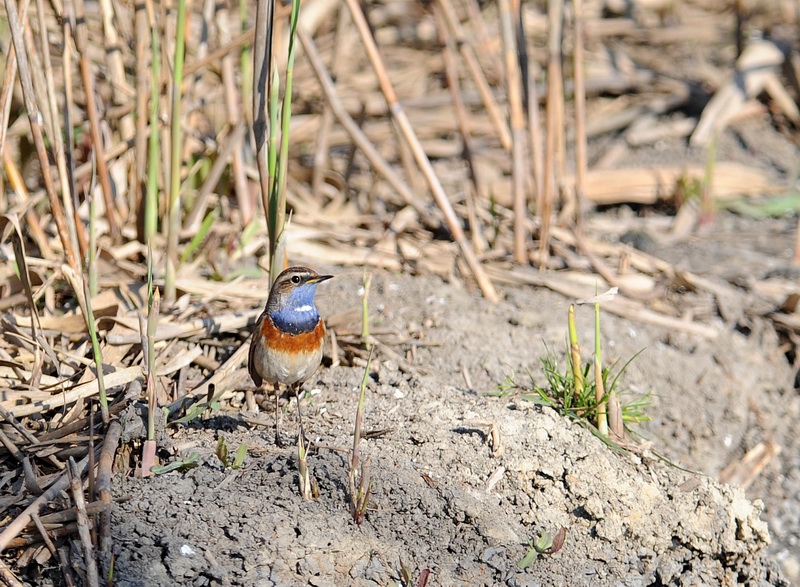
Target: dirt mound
(445, 498)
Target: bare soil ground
(465, 478)
(630, 519)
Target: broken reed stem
(35, 119)
(535, 138)
(18, 524)
(262, 65)
(176, 147)
(518, 138)
(103, 482)
(76, 487)
(399, 115)
(87, 76)
(580, 112)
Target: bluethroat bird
(286, 345)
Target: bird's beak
(320, 278)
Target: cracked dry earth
(445, 498)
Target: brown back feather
(251, 365)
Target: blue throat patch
(298, 314)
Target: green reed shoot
(278, 158)
(176, 144)
(575, 351)
(602, 419)
(89, 291)
(366, 281)
(359, 479)
(199, 237)
(151, 196)
(586, 392)
(148, 345)
(245, 60)
(308, 488)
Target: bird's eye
(295, 279)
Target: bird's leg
(277, 390)
(296, 387)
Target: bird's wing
(251, 366)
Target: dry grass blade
(8, 577)
(62, 482)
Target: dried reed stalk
(262, 68)
(7, 91)
(142, 27)
(451, 72)
(518, 135)
(233, 108)
(69, 135)
(76, 487)
(56, 135)
(18, 185)
(321, 159)
(103, 484)
(580, 112)
(555, 10)
(35, 120)
(381, 166)
(81, 38)
(116, 68)
(18, 524)
(399, 116)
(471, 60)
